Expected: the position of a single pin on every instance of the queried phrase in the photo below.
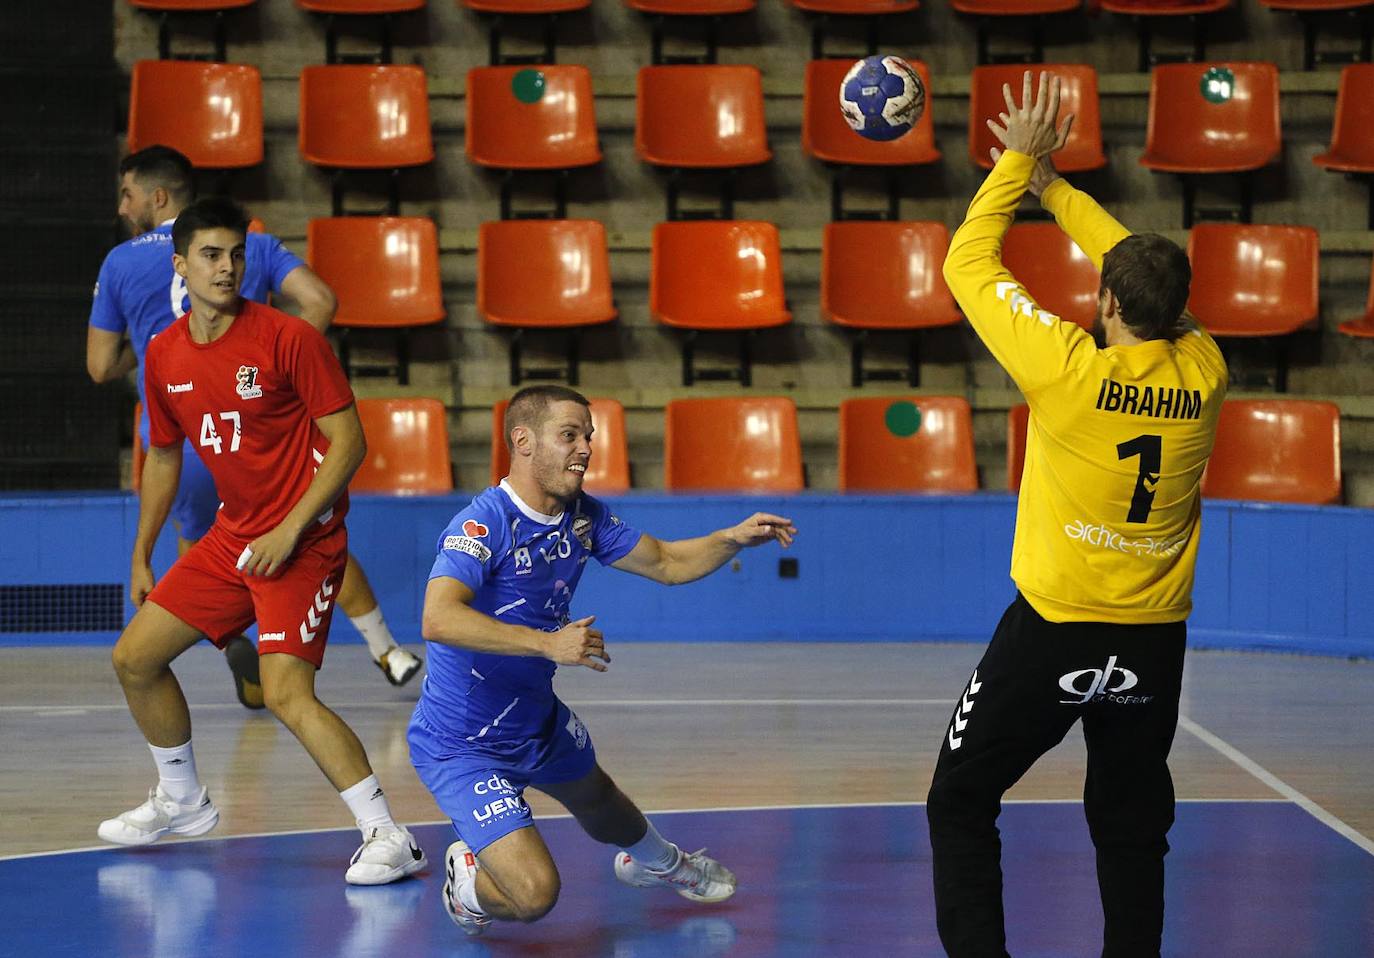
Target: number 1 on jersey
(1149, 449)
(208, 436)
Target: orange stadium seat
(211, 112)
(1276, 450)
(1352, 133)
(907, 444)
(165, 8)
(609, 471)
(1364, 326)
(1018, 424)
(885, 276)
(543, 274)
(1058, 275)
(379, 11)
(1188, 134)
(555, 132)
(717, 275)
(701, 116)
(732, 445)
(367, 117)
(856, 7)
(384, 271)
(691, 8)
(1253, 280)
(1078, 95)
(407, 447)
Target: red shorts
(293, 609)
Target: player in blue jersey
(497, 618)
(139, 294)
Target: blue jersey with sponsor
(139, 293)
(523, 568)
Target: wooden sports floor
(801, 766)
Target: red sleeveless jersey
(248, 403)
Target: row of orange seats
(1248, 280)
(705, 116)
(1271, 450)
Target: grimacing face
(562, 449)
(213, 267)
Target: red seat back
(407, 447)
(557, 131)
(1057, 274)
(1352, 133)
(732, 445)
(383, 269)
(365, 116)
(1276, 450)
(1253, 280)
(701, 116)
(543, 273)
(1187, 133)
(211, 112)
(885, 275)
(907, 444)
(717, 274)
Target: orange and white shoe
(695, 876)
(460, 870)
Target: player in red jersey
(264, 402)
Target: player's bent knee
(536, 896)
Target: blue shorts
(480, 789)
(197, 502)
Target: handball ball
(882, 97)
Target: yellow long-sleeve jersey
(1108, 521)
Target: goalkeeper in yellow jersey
(1107, 527)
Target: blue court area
(1245, 879)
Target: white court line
(649, 811)
(578, 703)
(1277, 784)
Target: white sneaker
(158, 816)
(460, 868)
(398, 665)
(387, 854)
(695, 876)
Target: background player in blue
(138, 295)
(497, 619)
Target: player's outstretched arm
(161, 474)
(450, 619)
(268, 553)
(686, 560)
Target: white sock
(467, 897)
(372, 627)
(653, 851)
(367, 802)
(176, 772)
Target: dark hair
(212, 212)
(160, 166)
(1150, 276)
(530, 407)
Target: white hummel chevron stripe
(321, 603)
(306, 636)
(312, 618)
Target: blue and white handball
(882, 97)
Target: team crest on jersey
(247, 386)
(581, 528)
(475, 529)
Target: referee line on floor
(730, 809)
(1277, 784)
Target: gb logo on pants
(1099, 684)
